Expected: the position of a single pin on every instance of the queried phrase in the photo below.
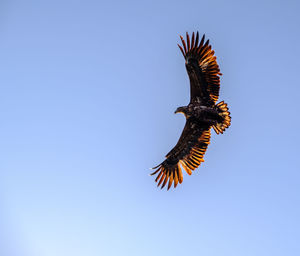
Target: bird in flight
(201, 113)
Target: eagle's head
(183, 110)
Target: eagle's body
(201, 113)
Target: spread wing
(202, 68)
(188, 153)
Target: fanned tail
(223, 111)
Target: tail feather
(223, 109)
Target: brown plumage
(201, 114)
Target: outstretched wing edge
(187, 154)
(209, 75)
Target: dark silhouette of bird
(202, 113)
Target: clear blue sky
(87, 95)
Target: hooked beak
(178, 110)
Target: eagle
(202, 113)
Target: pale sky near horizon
(88, 91)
